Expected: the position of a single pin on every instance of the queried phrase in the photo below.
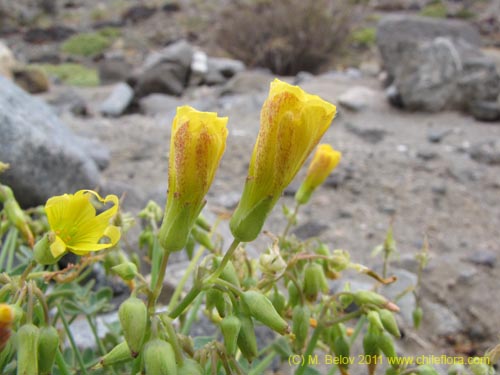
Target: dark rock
(118, 101)
(483, 258)
(48, 35)
(485, 110)
(113, 70)
(46, 157)
(436, 135)
(427, 155)
(171, 7)
(369, 135)
(310, 229)
(394, 97)
(439, 189)
(70, 101)
(138, 13)
(165, 71)
(440, 320)
(227, 67)
(486, 152)
(33, 80)
(398, 33)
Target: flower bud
(279, 301)
(202, 238)
(230, 327)
(41, 251)
(292, 123)
(48, 343)
(6, 319)
(371, 348)
(133, 317)
(417, 316)
(314, 281)
(197, 143)
(8, 352)
(126, 270)
(272, 263)
(159, 358)
(263, 310)
(300, 326)
(367, 297)
(27, 350)
(342, 349)
(293, 294)
(386, 344)
(389, 322)
(215, 298)
(229, 274)
(324, 161)
(119, 354)
(481, 368)
(190, 367)
(374, 319)
(247, 341)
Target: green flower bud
(230, 275)
(293, 294)
(27, 350)
(300, 325)
(190, 245)
(41, 251)
(247, 342)
(279, 301)
(342, 349)
(367, 297)
(481, 368)
(48, 343)
(417, 316)
(15, 214)
(314, 281)
(202, 238)
(215, 298)
(263, 310)
(230, 327)
(457, 369)
(389, 322)
(119, 354)
(134, 319)
(386, 344)
(203, 223)
(371, 348)
(126, 270)
(190, 367)
(374, 319)
(159, 358)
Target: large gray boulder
(396, 34)
(46, 158)
(445, 73)
(165, 71)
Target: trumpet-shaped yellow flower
(197, 143)
(75, 225)
(325, 159)
(292, 123)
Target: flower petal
(58, 247)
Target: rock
(370, 135)
(485, 110)
(310, 229)
(483, 258)
(33, 80)
(227, 67)
(437, 135)
(98, 152)
(165, 71)
(159, 104)
(248, 81)
(398, 33)
(394, 97)
(439, 319)
(487, 152)
(118, 101)
(427, 155)
(443, 74)
(138, 13)
(392, 5)
(357, 98)
(7, 61)
(46, 158)
(70, 101)
(302, 77)
(171, 7)
(39, 35)
(199, 68)
(112, 70)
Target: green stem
(196, 289)
(96, 335)
(310, 348)
(291, 220)
(61, 363)
(72, 341)
(159, 284)
(263, 365)
(172, 335)
(189, 271)
(193, 312)
(357, 329)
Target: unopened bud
(374, 319)
(119, 354)
(389, 322)
(48, 343)
(133, 317)
(314, 281)
(367, 297)
(247, 341)
(190, 367)
(263, 310)
(127, 270)
(159, 358)
(417, 316)
(202, 238)
(230, 327)
(41, 251)
(300, 325)
(27, 350)
(386, 344)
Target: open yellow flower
(75, 225)
(325, 159)
(6, 320)
(292, 123)
(197, 143)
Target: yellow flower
(6, 315)
(76, 227)
(324, 161)
(197, 143)
(292, 123)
